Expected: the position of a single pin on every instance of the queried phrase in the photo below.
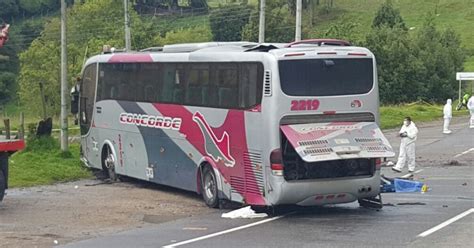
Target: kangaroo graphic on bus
(219, 148)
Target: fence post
(7, 128)
(21, 134)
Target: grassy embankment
(42, 162)
(456, 14)
(12, 112)
(392, 116)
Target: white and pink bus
(259, 124)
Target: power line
(177, 22)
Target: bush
(414, 66)
(227, 22)
(279, 25)
(196, 34)
(388, 16)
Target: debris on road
(398, 185)
(411, 203)
(244, 213)
(195, 228)
(453, 163)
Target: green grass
(457, 14)
(392, 116)
(42, 162)
(12, 112)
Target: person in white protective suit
(447, 115)
(408, 133)
(470, 106)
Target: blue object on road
(406, 186)
(387, 188)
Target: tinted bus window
(129, 81)
(87, 93)
(326, 77)
(220, 85)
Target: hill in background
(457, 14)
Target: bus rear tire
(209, 187)
(2, 185)
(108, 164)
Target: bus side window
(204, 79)
(228, 87)
(250, 86)
(149, 93)
(123, 92)
(179, 82)
(113, 92)
(212, 93)
(169, 73)
(197, 84)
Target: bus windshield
(326, 77)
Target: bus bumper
(327, 191)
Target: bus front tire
(2, 185)
(209, 187)
(109, 164)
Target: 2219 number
(301, 105)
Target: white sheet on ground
(244, 213)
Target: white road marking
(446, 223)
(465, 152)
(224, 232)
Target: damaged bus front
(330, 147)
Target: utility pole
(128, 45)
(64, 134)
(261, 27)
(298, 20)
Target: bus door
(89, 139)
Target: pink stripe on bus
(129, 58)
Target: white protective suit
(407, 147)
(447, 115)
(470, 106)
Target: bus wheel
(2, 185)
(109, 164)
(209, 187)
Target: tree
(342, 30)
(227, 22)
(279, 24)
(90, 26)
(416, 66)
(398, 68)
(197, 4)
(292, 5)
(30, 7)
(8, 9)
(389, 16)
(441, 56)
(187, 35)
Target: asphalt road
(446, 166)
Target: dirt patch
(36, 217)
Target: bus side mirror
(74, 100)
